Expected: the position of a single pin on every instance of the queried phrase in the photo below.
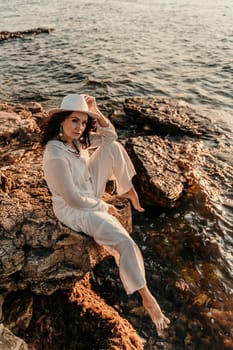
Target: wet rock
(8, 341)
(201, 299)
(18, 311)
(162, 116)
(222, 318)
(5, 35)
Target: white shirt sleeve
(60, 182)
(103, 135)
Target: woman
(77, 182)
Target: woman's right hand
(112, 210)
(91, 102)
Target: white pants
(107, 160)
(111, 159)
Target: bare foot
(160, 320)
(152, 307)
(133, 197)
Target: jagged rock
(18, 133)
(122, 335)
(18, 312)
(5, 35)
(161, 174)
(162, 116)
(35, 108)
(80, 320)
(46, 254)
(8, 341)
(14, 125)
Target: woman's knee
(126, 245)
(114, 146)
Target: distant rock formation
(5, 35)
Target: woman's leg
(130, 273)
(153, 309)
(133, 197)
(112, 160)
(107, 231)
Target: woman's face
(73, 126)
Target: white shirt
(68, 176)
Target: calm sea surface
(177, 48)
(113, 49)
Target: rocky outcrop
(164, 139)
(38, 252)
(41, 258)
(5, 35)
(45, 318)
(123, 336)
(162, 176)
(163, 116)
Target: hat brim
(56, 110)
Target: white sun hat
(74, 103)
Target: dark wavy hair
(50, 128)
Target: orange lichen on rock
(122, 332)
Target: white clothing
(77, 185)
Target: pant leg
(111, 159)
(108, 232)
(131, 266)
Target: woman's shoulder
(52, 143)
(54, 149)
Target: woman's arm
(103, 135)
(105, 132)
(92, 107)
